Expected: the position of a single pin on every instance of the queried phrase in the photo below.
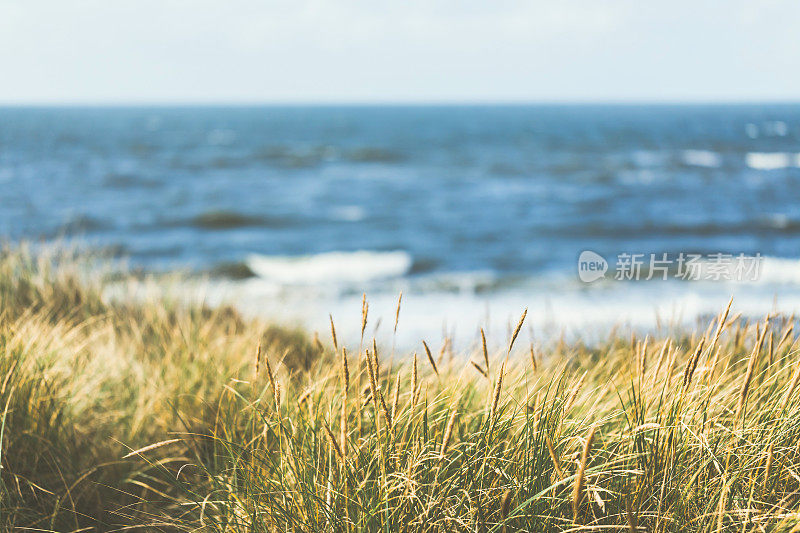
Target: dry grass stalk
(768, 466)
(318, 343)
(150, 447)
(448, 432)
(480, 369)
(713, 367)
(364, 313)
(443, 349)
(536, 411)
(751, 366)
(516, 330)
(720, 325)
(533, 358)
(577, 489)
(333, 334)
(414, 383)
(345, 371)
(496, 394)
(397, 312)
(642, 355)
(785, 336)
(737, 337)
(396, 396)
(345, 387)
(723, 502)
(485, 351)
(375, 357)
(377, 395)
(673, 359)
(554, 457)
(304, 396)
(505, 506)
(430, 358)
(792, 386)
(691, 364)
(770, 350)
(575, 391)
(332, 439)
(373, 382)
(343, 428)
(660, 361)
(258, 359)
(270, 375)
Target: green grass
(149, 415)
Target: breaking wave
(331, 267)
(771, 160)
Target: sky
(419, 51)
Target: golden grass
(155, 416)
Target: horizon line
(394, 103)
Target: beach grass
(159, 415)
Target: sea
(475, 213)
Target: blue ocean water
(456, 205)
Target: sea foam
(701, 158)
(771, 160)
(330, 267)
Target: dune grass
(160, 416)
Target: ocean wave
(770, 271)
(554, 310)
(779, 270)
(701, 158)
(331, 267)
(115, 180)
(771, 160)
(372, 154)
(348, 213)
(309, 156)
(294, 156)
(765, 226)
(234, 270)
(82, 224)
(222, 219)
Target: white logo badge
(591, 266)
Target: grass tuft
(153, 415)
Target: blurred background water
(475, 212)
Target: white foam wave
(753, 270)
(581, 310)
(779, 270)
(771, 160)
(349, 213)
(330, 267)
(584, 312)
(702, 158)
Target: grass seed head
(496, 394)
(397, 312)
(448, 432)
(516, 330)
(480, 369)
(333, 334)
(345, 371)
(577, 488)
(430, 358)
(364, 313)
(485, 351)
